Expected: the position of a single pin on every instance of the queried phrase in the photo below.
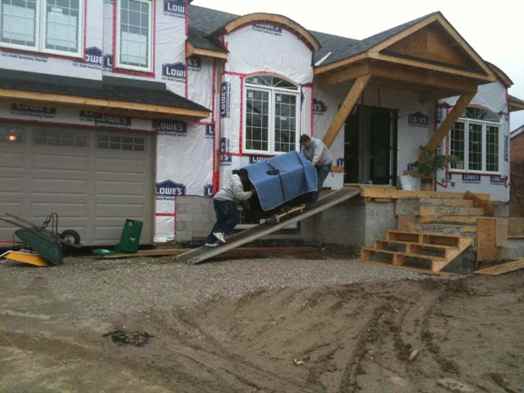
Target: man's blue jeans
(228, 217)
(322, 174)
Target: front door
(370, 146)
(379, 146)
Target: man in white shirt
(225, 203)
(317, 152)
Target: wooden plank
(347, 107)
(192, 51)
(485, 204)
(502, 231)
(487, 239)
(503, 268)
(100, 103)
(247, 236)
(376, 192)
(148, 253)
(516, 227)
(351, 72)
(443, 130)
(426, 78)
(239, 253)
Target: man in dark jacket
(226, 203)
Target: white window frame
(41, 31)
(485, 124)
(118, 30)
(273, 91)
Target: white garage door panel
(62, 163)
(10, 161)
(120, 211)
(118, 189)
(65, 211)
(12, 183)
(133, 164)
(93, 184)
(59, 186)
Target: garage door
(94, 180)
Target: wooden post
(457, 111)
(347, 106)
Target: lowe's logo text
(168, 126)
(175, 71)
(169, 189)
(94, 55)
(175, 7)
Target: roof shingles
(206, 21)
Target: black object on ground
(134, 338)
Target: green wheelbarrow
(49, 244)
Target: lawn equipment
(44, 239)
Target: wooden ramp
(433, 250)
(324, 203)
(503, 268)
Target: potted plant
(429, 163)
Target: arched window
(475, 141)
(271, 115)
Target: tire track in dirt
(207, 348)
(366, 337)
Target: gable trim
(375, 53)
(280, 20)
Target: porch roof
(148, 99)
(515, 104)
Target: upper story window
(51, 26)
(134, 36)
(474, 142)
(271, 113)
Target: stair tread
(425, 233)
(421, 244)
(407, 254)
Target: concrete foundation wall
(355, 223)
(195, 218)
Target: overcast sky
(495, 28)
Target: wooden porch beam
(347, 107)
(397, 73)
(351, 72)
(457, 111)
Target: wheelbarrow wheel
(70, 237)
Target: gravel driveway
(102, 289)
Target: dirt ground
(400, 334)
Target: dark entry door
(379, 145)
(351, 149)
(370, 146)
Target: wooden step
(400, 258)
(460, 220)
(441, 239)
(407, 248)
(450, 211)
(416, 248)
(449, 229)
(430, 202)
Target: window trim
(271, 121)
(80, 30)
(41, 31)
(117, 65)
(484, 124)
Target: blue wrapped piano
(283, 180)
